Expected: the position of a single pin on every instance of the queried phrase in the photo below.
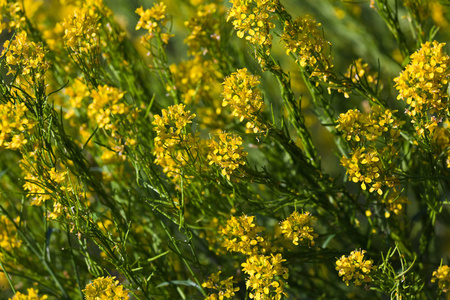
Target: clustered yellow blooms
(105, 288)
(8, 238)
(263, 271)
(240, 92)
(172, 139)
(106, 102)
(442, 275)
(28, 57)
(77, 92)
(354, 267)
(368, 164)
(154, 21)
(198, 80)
(304, 39)
(38, 187)
(360, 127)
(242, 235)
(204, 29)
(31, 295)
(13, 125)
(424, 86)
(228, 153)
(297, 228)
(224, 288)
(252, 19)
(82, 30)
(13, 14)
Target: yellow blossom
(354, 267)
(263, 272)
(105, 288)
(242, 235)
(442, 276)
(304, 39)
(31, 295)
(240, 92)
(224, 288)
(252, 19)
(297, 228)
(228, 153)
(424, 85)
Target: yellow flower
(424, 85)
(27, 56)
(354, 267)
(106, 102)
(8, 234)
(228, 153)
(14, 125)
(31, 295)
(82, 29)
(304, 39)
(297, 227)
(242, 235)
(442, 275)
(225, 287)
(105, 288)
(366, 166)
(240, 92)
(252, 19)
(204, 29)
(262, 271)
(154, 21)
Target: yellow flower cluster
(253, 19)
(361, 127)
(228, 153)
(48, 186)
(105, 288)
(13, 125)
(31, 295)
(106, 102)
(366, 166)
(28, 57)
(197, 79)
(204, 29)
(82, 30)
(354, 267)
(224, 288)
(8, 238)
(172, 140)
(77, 92)
(242, 235)
(369, 164)
(240, 92)
(304, 39)
(263, 271)
(442, 275)
(13, 14)
(154, 20)
(297, 228)
(424, 85)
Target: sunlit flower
(354, 267)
